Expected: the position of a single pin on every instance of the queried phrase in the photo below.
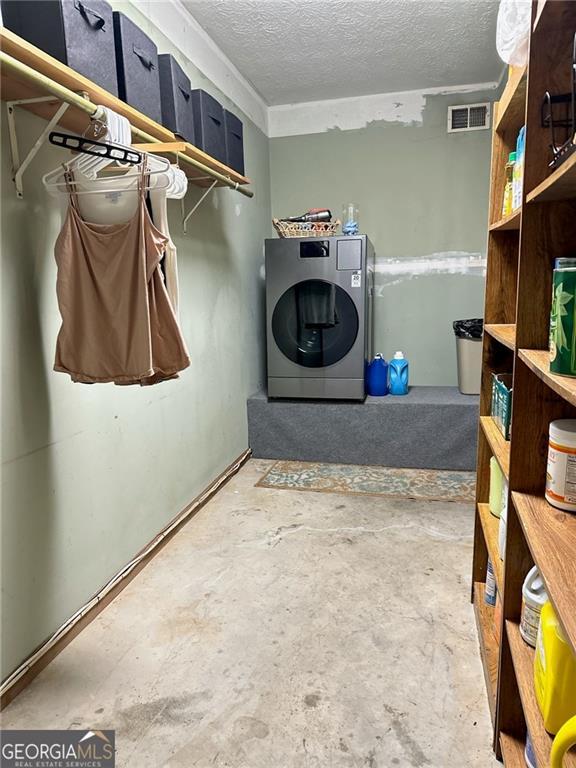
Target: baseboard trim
(50, 648)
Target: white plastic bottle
(533, 598)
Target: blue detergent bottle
(398, 374)
(377, 377)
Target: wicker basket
(306, 228)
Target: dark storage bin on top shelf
(234, 142)
(137, 64)
(209, 125)
(79, 34)
(175, 98)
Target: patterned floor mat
(431, 484)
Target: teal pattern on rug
(430, 484)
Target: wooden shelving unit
(17, 85)
(505, 333)
(539, 363)
(512, 221)
(512, 751)
(499, 447)
(523, 661)
(488, 645)
(560, 185)
(521, 253)
(511, 104)
(490, 529)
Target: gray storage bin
(79, 33)
(234, 132)
(137, 66)
(175, 98)
(209, 125)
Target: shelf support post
(18, 167)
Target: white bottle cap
(398, 355)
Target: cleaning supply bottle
(533, 598)
(554, 672)
(496, 482)
(377, 377)
(518, 174)
(490, 587)
(507, 203)
(398, 374)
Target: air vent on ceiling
(469, 117)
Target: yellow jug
(554, 672)
(565, 738)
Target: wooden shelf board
(489, 648)
(538, 360)
(500, 448)
(560, 185)
(15, 87)
(551, 537)
(512, 751)
(490, 528)
(505, 333)
(507, 223)
(523, 660)
(512, 105)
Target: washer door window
(315, 323)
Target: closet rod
(84, 104)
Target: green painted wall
(92, 473)
(422, 193)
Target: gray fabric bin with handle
(209, 125)
(137, 65)
(469, 354)
(175, 98)
(234, 142)
(79, 33)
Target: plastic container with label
(529, 756)
(533, 598)
(518, 172)
(496, 481)
(561, 468)
(554, 672)
(509, 171)
(490, 589)
(503, 522)
(562, 337)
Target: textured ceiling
(308, 50)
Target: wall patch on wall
(395, 271)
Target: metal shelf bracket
(186, 217)
(18, 167)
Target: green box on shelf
(501, 408)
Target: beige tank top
(117, 321)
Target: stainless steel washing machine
(319, 317)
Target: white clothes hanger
(157, 171)
(105, 124)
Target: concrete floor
(285, 629)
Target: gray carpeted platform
(430, 428)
